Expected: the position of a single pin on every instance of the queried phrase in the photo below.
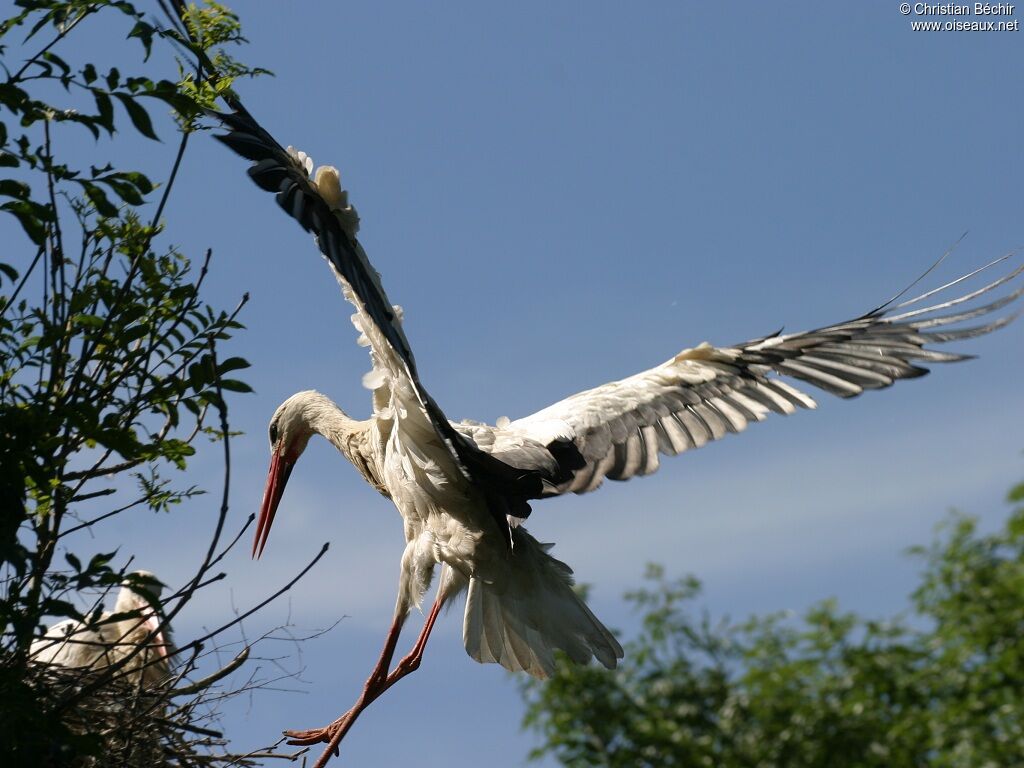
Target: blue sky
(563, 194)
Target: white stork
(131, 631)
(462, 488)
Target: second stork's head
(140, 597)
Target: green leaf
(32, 217)
(1016, 493)
(234, 385)
(46, 19)
(105, 109)
(133, 333)
(232, 364)
(89, 321)
(99, 199)
(144, 32)
(13, 97)
(53, 58)
(139, 116)
(52, 607)
(16, 189)
(213, 399)
(99, 561)
(125, 191)
(140, 180)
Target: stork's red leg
(377, 678)
(375, 686)
(410, 663)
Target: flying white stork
(462, 488)
(130, 634)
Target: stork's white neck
(319, 414)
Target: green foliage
(212, 26)
(832, 689)
(109, 352)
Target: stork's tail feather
(521, 622)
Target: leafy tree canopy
(942, 687)
(112, 363)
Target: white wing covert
(705, 393)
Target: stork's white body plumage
(521, 605)
(463, 488)
(130, 635)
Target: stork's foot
(379, 682)
(374, 687)
(318, 735)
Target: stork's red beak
(277, 478)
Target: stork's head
(293, 423)
(140, 595)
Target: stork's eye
(273, 433)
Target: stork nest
(59, 717)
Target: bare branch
(209, 680)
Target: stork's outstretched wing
(286, 173)
(319, 206)
(706, 392)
